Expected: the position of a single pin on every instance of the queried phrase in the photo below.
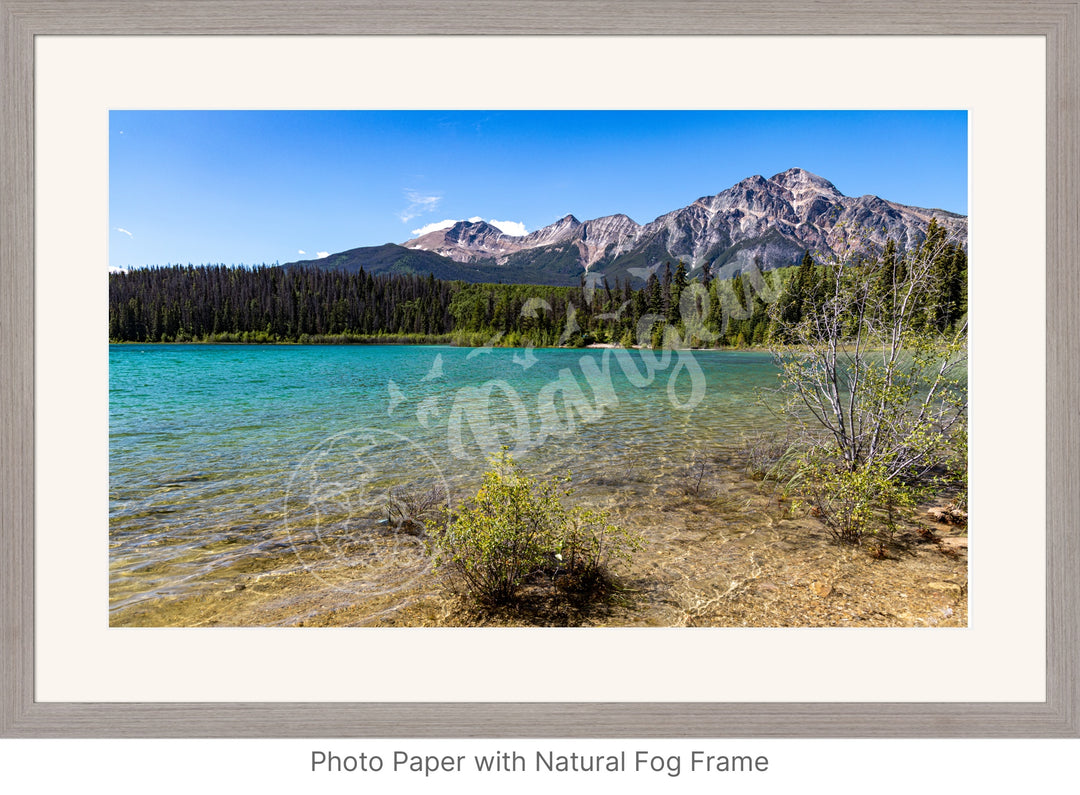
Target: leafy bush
(588, 545)
(856, 504)
(515, 527)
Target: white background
(998, 657)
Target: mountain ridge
(771, 221)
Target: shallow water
(229, 457)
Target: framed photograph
(156, 476)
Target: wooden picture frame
(22, 716)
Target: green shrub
(588, 546)
(858, 503)
(516, 527)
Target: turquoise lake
(222, 452)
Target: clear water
(218, 453)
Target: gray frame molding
(22, 20)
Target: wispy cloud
(126, 232)
(321, 254)
(418, 205)
(301, 251)
(114, 269)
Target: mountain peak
(472, 227)
(799, 180)
(756, 180)
(472, 232)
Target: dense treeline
(271, 304)
(306, 304)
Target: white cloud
(126, 232)
(301, 251)
(114, 269)
(515, 228)
(449, 222)
(418, 205)
(322, 254)
(475, 218)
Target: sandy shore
(732, 553)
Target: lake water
(219, 454)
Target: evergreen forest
(273, 304)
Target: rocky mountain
(772, 221)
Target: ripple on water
(205, 440)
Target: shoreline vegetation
(852, 514)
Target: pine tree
(653, 297)
(665, 291)
(674, 313)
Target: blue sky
(249, 187)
